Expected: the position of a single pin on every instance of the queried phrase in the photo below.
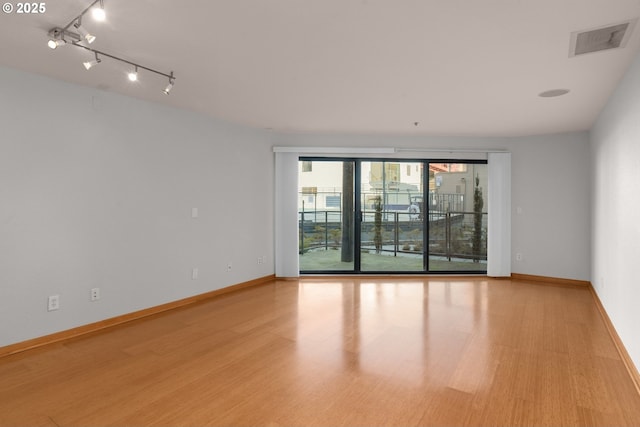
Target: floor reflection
(415, 331)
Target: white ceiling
(457, 67)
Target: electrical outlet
(95, 294)
(259, 260)
(194, 274)
(53, 303)
(519, 256)
(229, 265)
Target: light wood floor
(404, 352)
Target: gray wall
(96, 190)
(550, 185)
(615, 154)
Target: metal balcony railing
(452, 235)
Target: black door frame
(357, 215)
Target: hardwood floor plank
(438, 404)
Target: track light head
(170, 85)
(98, 12)
(56, 38)
(133, 76)
(168, 88)
(54, 43)
(89, 64)
(90, 38)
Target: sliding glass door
(392, 222)
(392, 216)
(326, 215)
(457, 217)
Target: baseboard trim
(622, 351)
(551, 280)
(118, 320)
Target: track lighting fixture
(169, 86)
(55, 43)
(133, 75)
(98, 12)
(89, 64)
(57, 38)
(74, 33)
(90, 38)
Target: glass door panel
(392, 212)
(392, 216)
(457, 215)
(326, 215)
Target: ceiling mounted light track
(75, 34)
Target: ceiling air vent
(601, 38)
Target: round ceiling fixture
(553, 93)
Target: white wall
(96, 190)
(550, 183)
(615, 153)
